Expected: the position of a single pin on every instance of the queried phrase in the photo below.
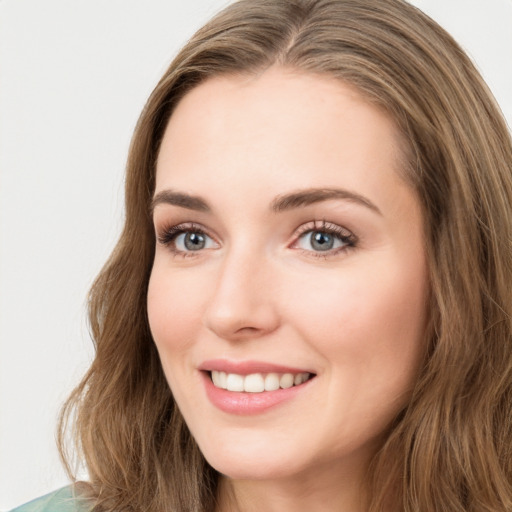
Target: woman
(309, 305)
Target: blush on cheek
(170, 330)
(171, 316)
(373, 313)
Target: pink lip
(247, 367)
(242, 403)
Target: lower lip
(243, 403)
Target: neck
(325, 489)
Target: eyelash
(348, 239)
(168, 235)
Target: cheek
(372, 314)
(368, 325)
(174, 309)
(175, 302)
(173, 320)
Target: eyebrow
(180, 199)
(316, 195)
(281, 203)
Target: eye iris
(194, 241)
(321, 241)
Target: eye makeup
(186, 239)
(325, 238)
(315, 239)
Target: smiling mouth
(258, 382)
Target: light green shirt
(62, 500)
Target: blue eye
(183, 239)
(192, 241)
(325, 239)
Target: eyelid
(348, 237)
(323, 225)
(167, 234)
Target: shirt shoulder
(62, 500)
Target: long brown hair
(450, 449)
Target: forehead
(278, 128)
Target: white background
(74, 76)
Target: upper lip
(247, 367)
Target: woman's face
(288, 249)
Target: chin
(252, 463)
(249, 470)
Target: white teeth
(223, 380)
(286, 381)
(271, 382)
(215, 379)
(219, 379)
(235, 382)
(257, 382)
(254, 383)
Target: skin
(354, 315)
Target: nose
(243, 305)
